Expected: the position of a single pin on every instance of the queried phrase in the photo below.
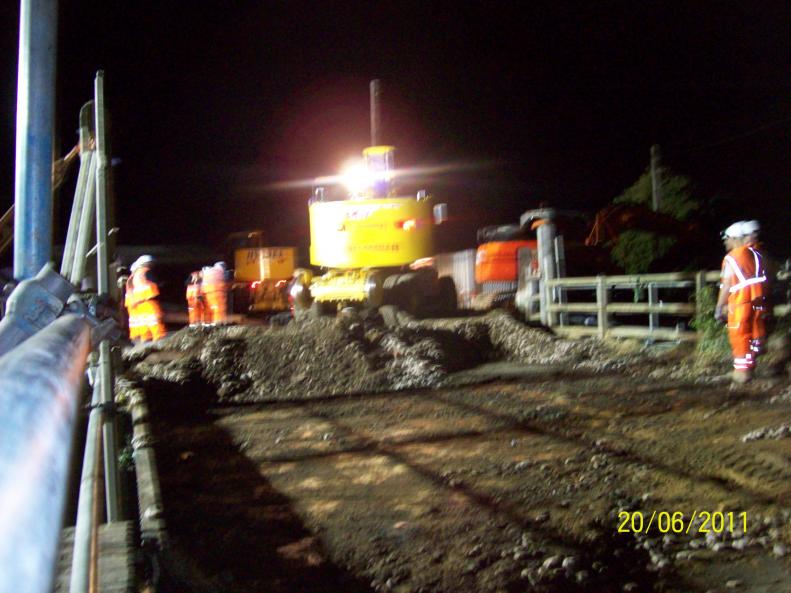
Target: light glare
(356, 177)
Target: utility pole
(656, 178)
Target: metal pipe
(34, 303)
(108, 431)
(375, 116)
(83, 561)
(545, 235)
(35, 115)
(76, 212)
(105, 367)
(85, 231)
(101, 187)
(83, 180)
(40, 383)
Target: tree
(677, 200)
(636, 250)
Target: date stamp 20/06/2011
(679, 522)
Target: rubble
(324, 357)
(767, 432)
(511, 484)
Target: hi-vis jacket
(746, 267)
(145, 315)
(213, 279)
(140, 288)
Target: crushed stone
(332, 356)
(767, 432)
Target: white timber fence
(650, 306)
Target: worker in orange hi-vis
(215, 289)
(196, 302)
(741, 293)
(140, 299)
(750, 238)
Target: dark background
(213, 102)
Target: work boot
(741, 376)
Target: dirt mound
(347, 355)
(511, 339)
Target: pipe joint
(33, 305)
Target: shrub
(712, 335)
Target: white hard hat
(750, 226)
(733, 232)
(143, 260)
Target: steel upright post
(602, 298)
(35, 115)
(546, 265)
(560, 272)
(105, 363)
(375, 116)
(84, 180)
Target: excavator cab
(373, 176)
(380, 163)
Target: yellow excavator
(373, 240)
(261, 273)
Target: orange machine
(497, 261)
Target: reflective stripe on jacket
(746, 265)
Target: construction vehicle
(500, 249)
(261, 274)
(496, 261)
(509, 253)
(374, 241)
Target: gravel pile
(348, 355)
(767, 432)
(510, 339)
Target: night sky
(213, 102)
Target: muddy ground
(461, 455)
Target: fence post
(700, 283)
(545, 237)
(547, 302)
(535, 299)
(560, 272)
(601, 302)
(653, 299)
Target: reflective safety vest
(194, 291)
(139, 288)
(746, 266)
(213, 280)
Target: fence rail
(548, 301)
(670, 279)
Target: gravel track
(341, 482)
